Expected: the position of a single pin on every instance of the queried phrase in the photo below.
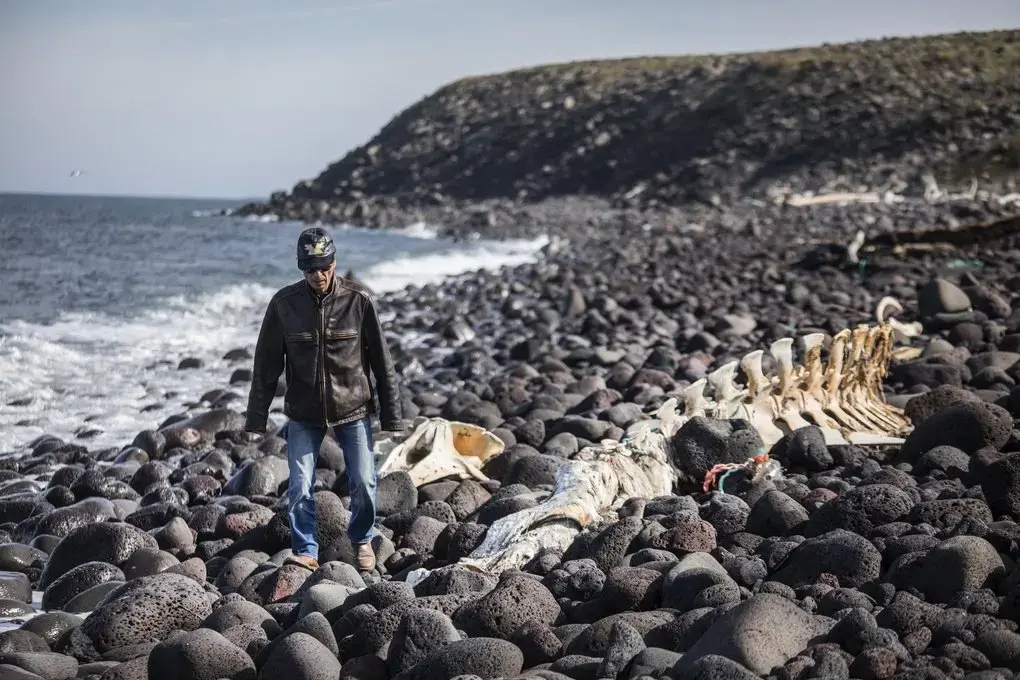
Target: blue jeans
(303, 444)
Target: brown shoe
(366, 557)
(306, 561)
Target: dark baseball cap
(315, 249)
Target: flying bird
(77, 173)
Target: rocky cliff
(667, 130)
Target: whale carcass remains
(841, 394)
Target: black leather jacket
(327, 346)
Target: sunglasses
(317, 270)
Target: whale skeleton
(841, 394)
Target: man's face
(320, 279)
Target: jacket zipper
(322, 359)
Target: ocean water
(101, 298)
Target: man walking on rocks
(325, 332)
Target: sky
(239, 98)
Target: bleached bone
(694, 398)
(440, 448)
(839, 381)
(856, 393)
(855, 247)
(849, 381)
(759, 408)
(721, 380)
(756, 380)
(852, 373)
(904, 332)
(589, 489)
(810, 398)
(933, 193)
(879, 351)
(667, 421)
(788, 413)
(829, 393)
(842, 396)
(800, 200)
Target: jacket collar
(329, 291)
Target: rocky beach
(690, 210)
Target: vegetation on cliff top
(879, 113)
(994, 53)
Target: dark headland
(667, 131)
(702, 208)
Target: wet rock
(15, 586)
(46, 665)
(110, 542)
(51, 626)
(19, 557)
(22, 640)
(77, 581)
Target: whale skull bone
(440, 448)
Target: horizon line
(242, 200)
